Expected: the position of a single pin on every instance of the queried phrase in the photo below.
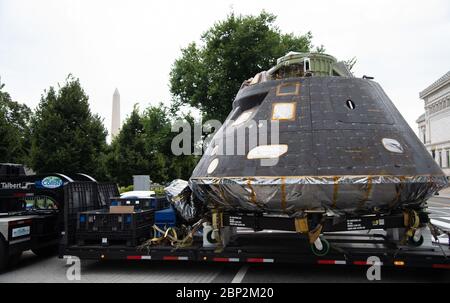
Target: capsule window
(288, 89)
(214, 150)
(212, 166)
(283, 111)
(267, 151)
(256, 79)
(243, 117)
(392, 145)
(350, 104)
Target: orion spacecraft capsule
(308, 135)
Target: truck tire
(414, 243)
(209, 237)
(325, 248)
(3, 256)
(46, 251)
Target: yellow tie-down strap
(411, 220)
(217, 219)
(301, 225)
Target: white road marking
(439, 208)
(442, 239)
(240, 274)
(216, 274)
(438, 214)
(439, 223)
(443, 204)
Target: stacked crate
(113, 226)
(155, 203)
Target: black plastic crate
(93, 227)
(106, 191)
(78, 197)
(11, 170)
(156, 203)
(132, 237)
(104, 221)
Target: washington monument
(115, 121)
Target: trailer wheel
(3, 256)
(322, 252)
(209, 237)
(414, 243)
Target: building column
(445, 163)
(427, 126)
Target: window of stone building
(440, 159)
(433, 154)
(448, 158)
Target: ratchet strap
(411, 221)
(302, 227)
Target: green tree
(157, 128)
(8, 140)
(14, 129)
(143, 146)
(128, 151)
(66, 136)
(207, 76)
(181, 166)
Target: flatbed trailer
(347, 249)
(255, 238)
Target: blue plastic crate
(166, 216)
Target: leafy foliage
(66, 136)
(124, 189)
(143, 146)
(208, 76)
(14, 129)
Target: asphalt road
(34, 269)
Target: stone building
(434, 124)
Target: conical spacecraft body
(307, 135)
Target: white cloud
(132, 44)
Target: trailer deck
(347, 249)
(352, 241)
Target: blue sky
(131, 45)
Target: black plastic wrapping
(179, 194)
